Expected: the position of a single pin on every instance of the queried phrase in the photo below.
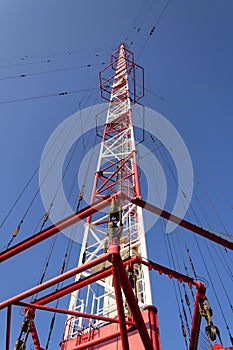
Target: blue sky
(187, 61)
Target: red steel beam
(54, 281)
(132, 301)
(80, 284)
(196, 321)
(120, 308)
(90, 210)
(170, 273)
(30, 314)
(71, 312)
(154, 327)
(183, 223)
(59, 226)
(8, 327)
(73, 287)
(35, 338)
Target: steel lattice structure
(117, 172)
(115, 308)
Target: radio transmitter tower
(120, 230)
(111, 301)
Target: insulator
(19, 345)
(187, 299)
(152, 30)
(16, 231)
(62, 268)
(25, 326)
(211, 332)
(80, 196)
(210, 312)
(46, 216)
(183, 330)
(204, 311)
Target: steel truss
(117, 171)
(40, 304)
(117, 269)
(111, 271)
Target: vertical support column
(120, 308)
(155, 336)
(196, 322)
(8, 327)
(132, 302)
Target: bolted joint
(201, 288)
(113, 251)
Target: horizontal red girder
(170, 273)
(183, 223)
(52, 230)
(82, 283)
(72, 313)
(70, 288)
(74, 286)
(102, 203)
(92, 278)
(55, 280)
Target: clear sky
(187, 61)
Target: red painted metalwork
(107, 76)
(98, 205)
(70, 312)
(132, 302)
(142, 331)
(196, 322)
(112, 255)
(8, 327)
(120, 308)
(53, 281)
(30, 313)
(98, 341)
(107, 337)
(155, 336)
(72, 287)
(169, 272)
(183, 223)
(115, 257)
(56, 228)
(220, 347)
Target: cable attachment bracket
(211, 330)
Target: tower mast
(117, 171)
(113, 256)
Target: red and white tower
(122, 223)
(111, 302)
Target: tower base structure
(108, 337)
